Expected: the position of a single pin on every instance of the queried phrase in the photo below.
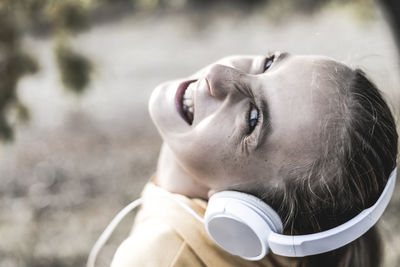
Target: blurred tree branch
(66, 18)
(74, 68)
(14, 63)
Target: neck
(173, 178)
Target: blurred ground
(82, 159)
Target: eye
(268, 62)
(252, 118)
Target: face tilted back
(247, 119)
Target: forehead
(314, 68)
(309, 79)
(302, 92)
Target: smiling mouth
(184, 100)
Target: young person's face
(249, 118)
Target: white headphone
(245, 226)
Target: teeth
(188, 99)
(188, 102)
(189, 91)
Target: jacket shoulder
(154, 243)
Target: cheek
(204, 156)
(207, 152)
(219, 168)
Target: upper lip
(179, 98)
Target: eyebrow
(281, 57)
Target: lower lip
(179, 98)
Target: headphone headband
(311, 244)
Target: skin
(217, 152)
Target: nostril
(207, 83)
(217, 79)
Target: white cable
(189, 209)
(109, 230)
(118, 218)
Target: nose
(223, 80)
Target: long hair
(358, 153)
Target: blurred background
(75, 77)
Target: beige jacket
(164, 234)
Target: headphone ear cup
(241, 223)
(273, 219)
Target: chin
(163, 111)
(152, 104)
